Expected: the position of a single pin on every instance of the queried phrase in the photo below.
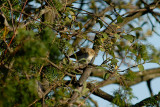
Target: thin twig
(14, 34)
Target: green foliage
(130, 75)
(123, 96)
(141, 67)
(114, 61)
(27, 58)
(52, 73)
(57, 4)
(119, 19)
(140, 52)
(51, 42)
(107, 75)
(61, 94)
(129, 37)
(137, 28)
(17, 92)
(31, 50)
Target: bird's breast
(90, 57)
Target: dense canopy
(37, 38)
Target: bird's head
(90, 53)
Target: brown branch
(149, 86)
(146, 75)
(101, 94)
(14, 34)
(133, 15)
(94, 102)
(79, 87)
(139, 76)
(102, 13)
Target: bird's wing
(78, 55)
(75, 55)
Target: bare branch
(101, 94)
(79, 88)
(139, 76)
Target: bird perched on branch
(84, 54)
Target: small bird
(84, 54)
